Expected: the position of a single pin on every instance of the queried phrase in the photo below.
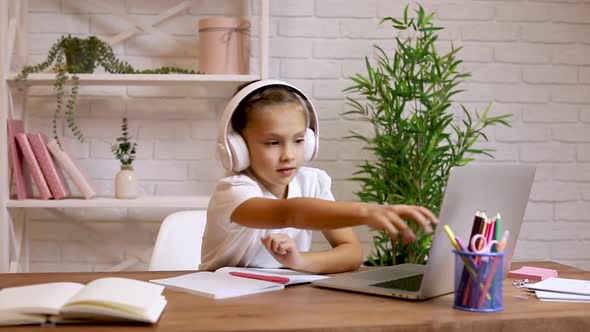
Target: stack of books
(32, 155)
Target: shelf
(14, 19)
(135, 79)
(189, 202)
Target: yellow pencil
(452, 237)
(458, 248)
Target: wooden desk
(310, 309)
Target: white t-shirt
(226, 243)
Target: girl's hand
(283, 249)
(390, 218)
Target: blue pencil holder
(478, 281)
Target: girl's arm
(313, 213)
(345, 255)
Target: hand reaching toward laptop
(390, 218)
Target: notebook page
(558, 297)
(88, 311)
(127, 294)
(217, 285)
(14, 318)
(41, 298)
(562, 285)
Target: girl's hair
(268, 96)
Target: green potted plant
(407, 99)
(124, 149)
(73, 55)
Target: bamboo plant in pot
(416, 138)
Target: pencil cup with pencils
(478, 281)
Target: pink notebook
(53, 176)
(34, 168)
(23, 184)
(532, 273)
(72, 169)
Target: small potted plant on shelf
(124, 149)
(75, 55)
(406, 98)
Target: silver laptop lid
(494, 189)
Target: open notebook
(229, 282)
(105, 299)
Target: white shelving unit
(136, 79)
(189, 202)
(13, 32)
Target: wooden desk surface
(309, 308)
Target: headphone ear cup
(309, 145)
(239, 149)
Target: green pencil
(498, 228)
(497, 236)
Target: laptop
(494, 189)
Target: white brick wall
(530, 58)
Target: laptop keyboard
(411, 283)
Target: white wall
(530, 58)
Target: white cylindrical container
(126, 184)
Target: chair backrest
(178, 246)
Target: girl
(263, 215)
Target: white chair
(178, 246)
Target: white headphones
(231, 147)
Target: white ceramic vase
(126, 185)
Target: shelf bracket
(19, 242)
(10, 44)
(149, 27)
(157, 20)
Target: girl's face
(275, 139)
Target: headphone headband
(224, 146)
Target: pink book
(53, 176)
(23, 185)
(72, 169)
(33, 165)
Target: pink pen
(275, 279)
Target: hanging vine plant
(73, 55)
